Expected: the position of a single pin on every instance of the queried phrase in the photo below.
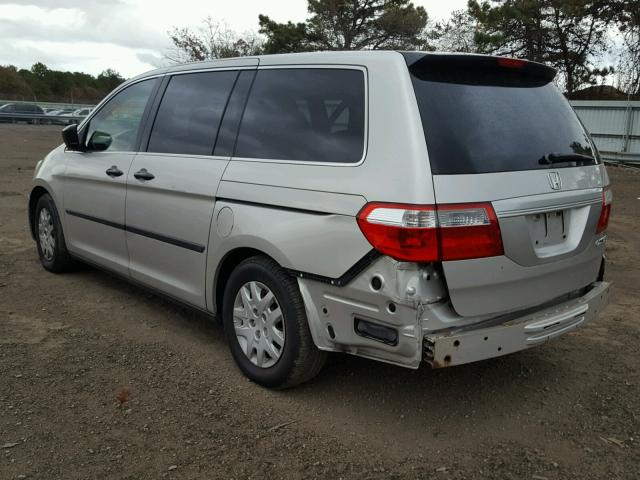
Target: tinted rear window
(314, 115)
(190, 112)
(495, 120)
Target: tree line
(589, 42)
(39, 83)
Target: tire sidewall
(278, 374)
(45, 201)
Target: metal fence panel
(614, 126)
(635, 119)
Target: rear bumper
(481, 341)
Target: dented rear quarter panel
(302, 214)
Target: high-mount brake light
(605, 212)
(511, 62)
(429, 233)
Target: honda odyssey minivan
(405, 207)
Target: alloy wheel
(46, 234)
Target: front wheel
(52, 248)
(266, 325)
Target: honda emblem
(555, 182)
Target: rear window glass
(311, 114)
(496, 120)
(190, 112)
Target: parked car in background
(20, 112)
(404, 207)
(60, 111)
(77, 114)
(67, 116)
(82, 112)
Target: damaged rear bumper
(482, 341)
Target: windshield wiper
(551, 158)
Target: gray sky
(130, 35)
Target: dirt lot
(70, 343)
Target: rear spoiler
(421, 61)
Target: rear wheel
(52, 248)
(266, 325)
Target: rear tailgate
(499, 131)
(550, 246)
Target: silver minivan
(406, 207)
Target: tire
(52, 249)
(295, 362)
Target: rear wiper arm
(551, 158)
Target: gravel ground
(100, 379)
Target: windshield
(496, 120)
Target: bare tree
(213, 39)
(457, 34)
(628, 19)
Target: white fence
(614, 126)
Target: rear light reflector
(605, 212)
(429, 233)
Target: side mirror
(70, 137)
(99, 141)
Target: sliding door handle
(114, 171)
(142, 174)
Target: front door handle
(114, 171)
(142, 174)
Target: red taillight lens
(427, 233)
(469, 231)
(404, 232)
(605, 213)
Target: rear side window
(311, 115)
(190, 112)
(482, 120)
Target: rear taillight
(605, 212)
(404, 232)
(429, 233)
(469, 231)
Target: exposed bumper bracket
(469, 345)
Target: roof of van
(346, 57)
(352, 57)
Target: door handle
(142, 174)
(114, 171)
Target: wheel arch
(229, 262)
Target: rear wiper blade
(551, 158)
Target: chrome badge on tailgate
(555, 181)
